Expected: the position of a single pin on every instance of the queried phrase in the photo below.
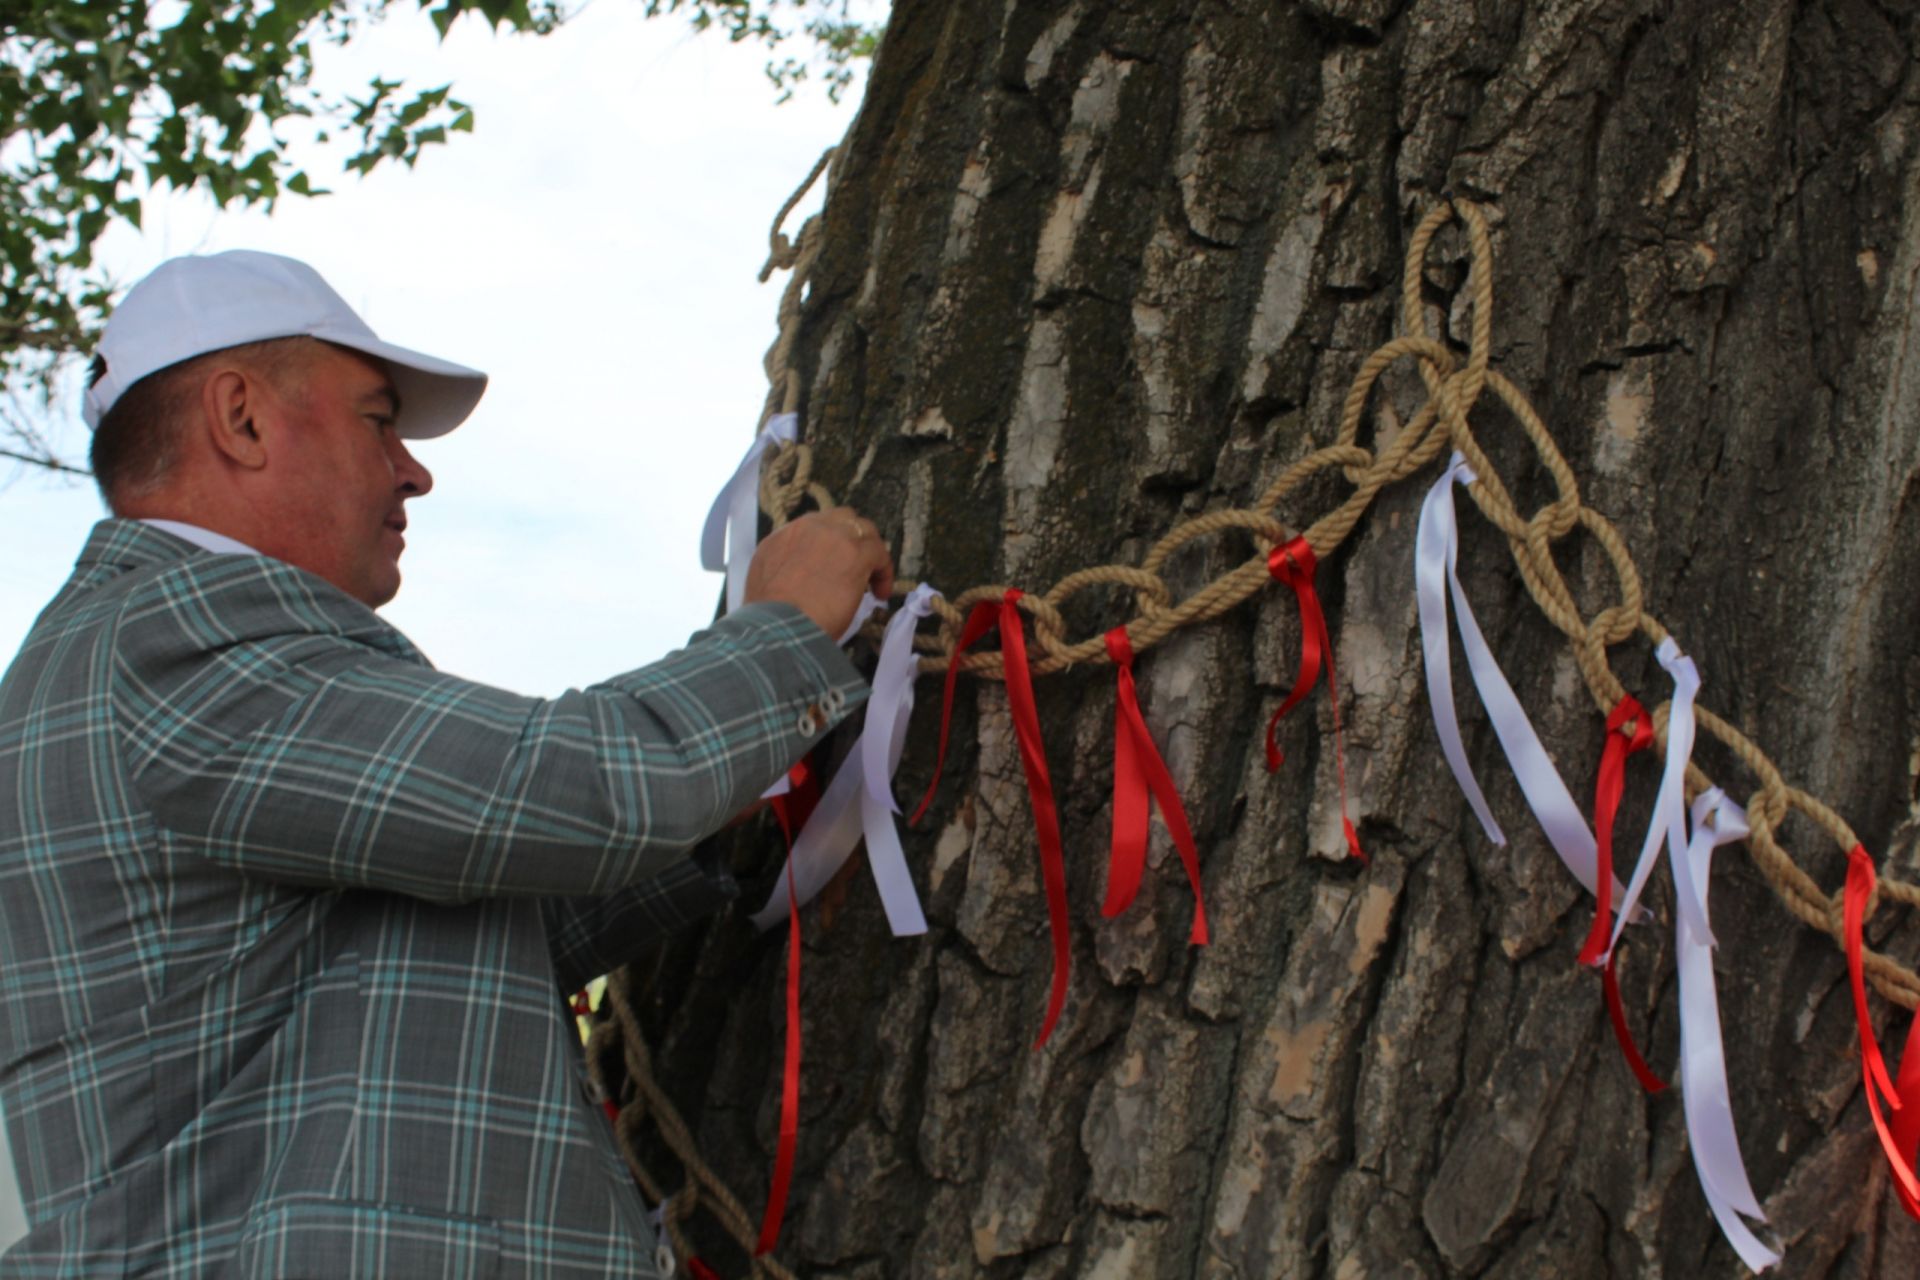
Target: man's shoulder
(152, 589)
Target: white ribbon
(1436, 557)
(859, 801)
(1668, 826)
(733, 521)
(861, 612)
(1703, 1060)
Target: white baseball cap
(191, 306)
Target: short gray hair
(137, 443)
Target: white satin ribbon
(1703, 1060)
(861, 612)
(733, 521)
(1669, 826)
(1436, 559)
(859, 801)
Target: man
(287, 916)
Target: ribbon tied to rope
(1622, 741)
(1139, 774)
(732, 529)
(1293, 563)
(1668, 826)
(1436, 575)
(1900, 1139)
(1004, 614)
(1667, 829)
(1717, 820)
(858, 803)
(1609, 783)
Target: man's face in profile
(347, 474)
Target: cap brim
(435, 395)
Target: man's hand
(822, 563)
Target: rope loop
(1049, 628)
(782, 254)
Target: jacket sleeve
(274, 725)
(592, 936)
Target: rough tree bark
(1093, 265)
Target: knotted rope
(1442, 422)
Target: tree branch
(50, 463)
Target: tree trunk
(1090, 267)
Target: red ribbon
(1620, 744)
(791, 811)
(1139, 773)
(1617, 1014)
(1606, 806)
(1005, 615)
(1906, 1120)
(1294, 564)
(699, 1270)
(1901, 1139)
(984, 618)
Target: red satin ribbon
(1294, 564)
(1899, 1140)
(984, 618)
(1606, 806)
(1005, 615)
(1906, 1120)
(1617, 1014)
(699, 1270)
(1139, 774)
(791, 811)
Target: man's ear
(231, 402)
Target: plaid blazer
(287, 916)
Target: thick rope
(787, 486)
(1452, 391)
(642, 1099)
(783, 380)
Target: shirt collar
(206, 539)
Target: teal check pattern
(287, 917)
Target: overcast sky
(593, 246)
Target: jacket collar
(118, 546)
(129, 544)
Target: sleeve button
(808, 726)
(835, 701)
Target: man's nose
(409, 475)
